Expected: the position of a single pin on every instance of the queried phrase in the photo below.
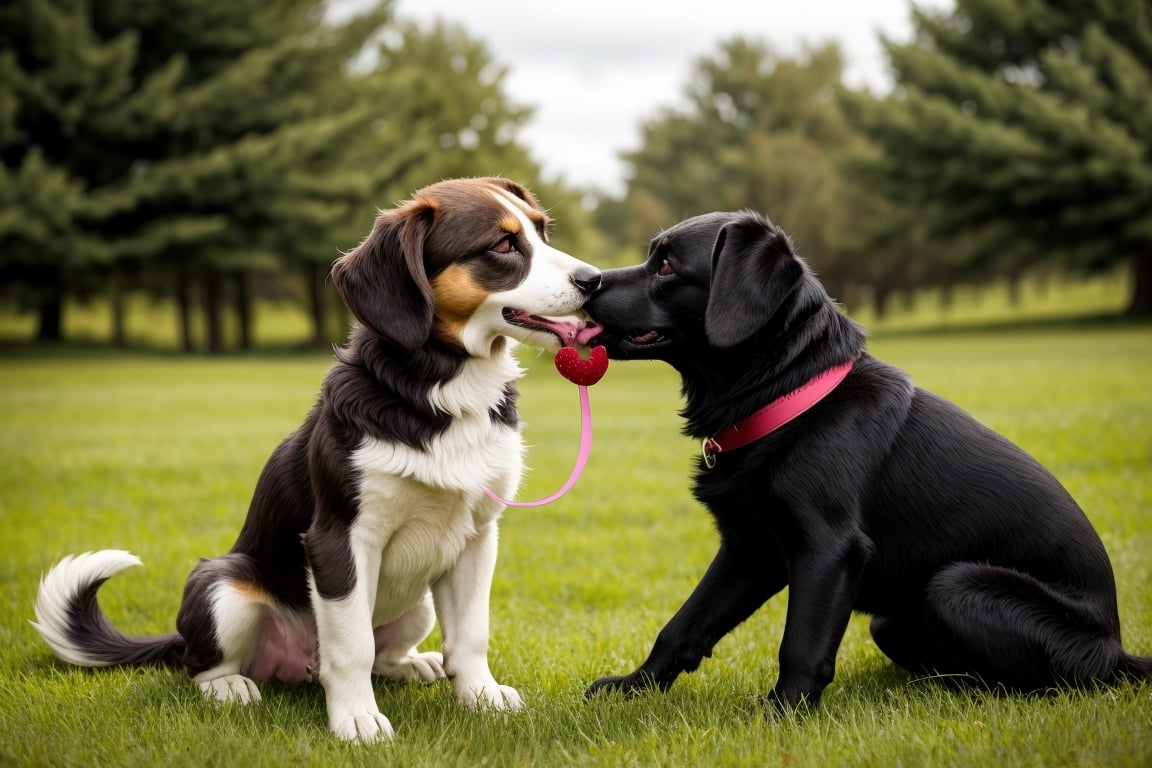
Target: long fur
(971, 558)
(69, 618)
(368, 522)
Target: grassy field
(158, 455)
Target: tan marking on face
(536, 216)
(455, 297)
(510, 224)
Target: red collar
(774, 415)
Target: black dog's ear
(383, 281)
(754, 269)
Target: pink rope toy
(583, 373)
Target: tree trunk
(243, 289)
(1141, 304)
(880, 298)
(184, 312)
(119, 313)
(51, 326)
(213, 322)
(946, 296)
(48, 284)
(1014, 290)
(315, 277)
(908, 299)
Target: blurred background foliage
(214, 156)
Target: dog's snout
(587, 279)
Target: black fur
(971, 557)
(305, 499)
(89, 627)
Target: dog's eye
(665, 269)
(507, 245)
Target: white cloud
(595, 69)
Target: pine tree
(53, 73)
(190, 145)
(448, 93)
(760, 131)
(1028, 124)
(193, 140)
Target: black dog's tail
(1139, 667)
(69, 618)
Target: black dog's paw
(628, 685)
(782, 703)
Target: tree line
(213, 151)
(1017, 139)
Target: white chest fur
(421, 507)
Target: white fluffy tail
(69, 618)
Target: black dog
(971, 558)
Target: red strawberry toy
(580, 371)
(584, 373)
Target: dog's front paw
(628, 685)
(230, 688)
(490, 695)
(363, 728)
(787, 701)
(425, 667)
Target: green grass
(158, 455)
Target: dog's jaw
(651, 344)
(647, 345)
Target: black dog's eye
(507, 245)
(665, 269)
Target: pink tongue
(571, 332)
(589, 332)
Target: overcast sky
(594, 69)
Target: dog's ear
(754, 269)
(383, 281)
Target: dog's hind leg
(221, 620)
(396, 641)
(1011, 629)
(909, 643)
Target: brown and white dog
(369, 522)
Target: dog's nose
(587, 279)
